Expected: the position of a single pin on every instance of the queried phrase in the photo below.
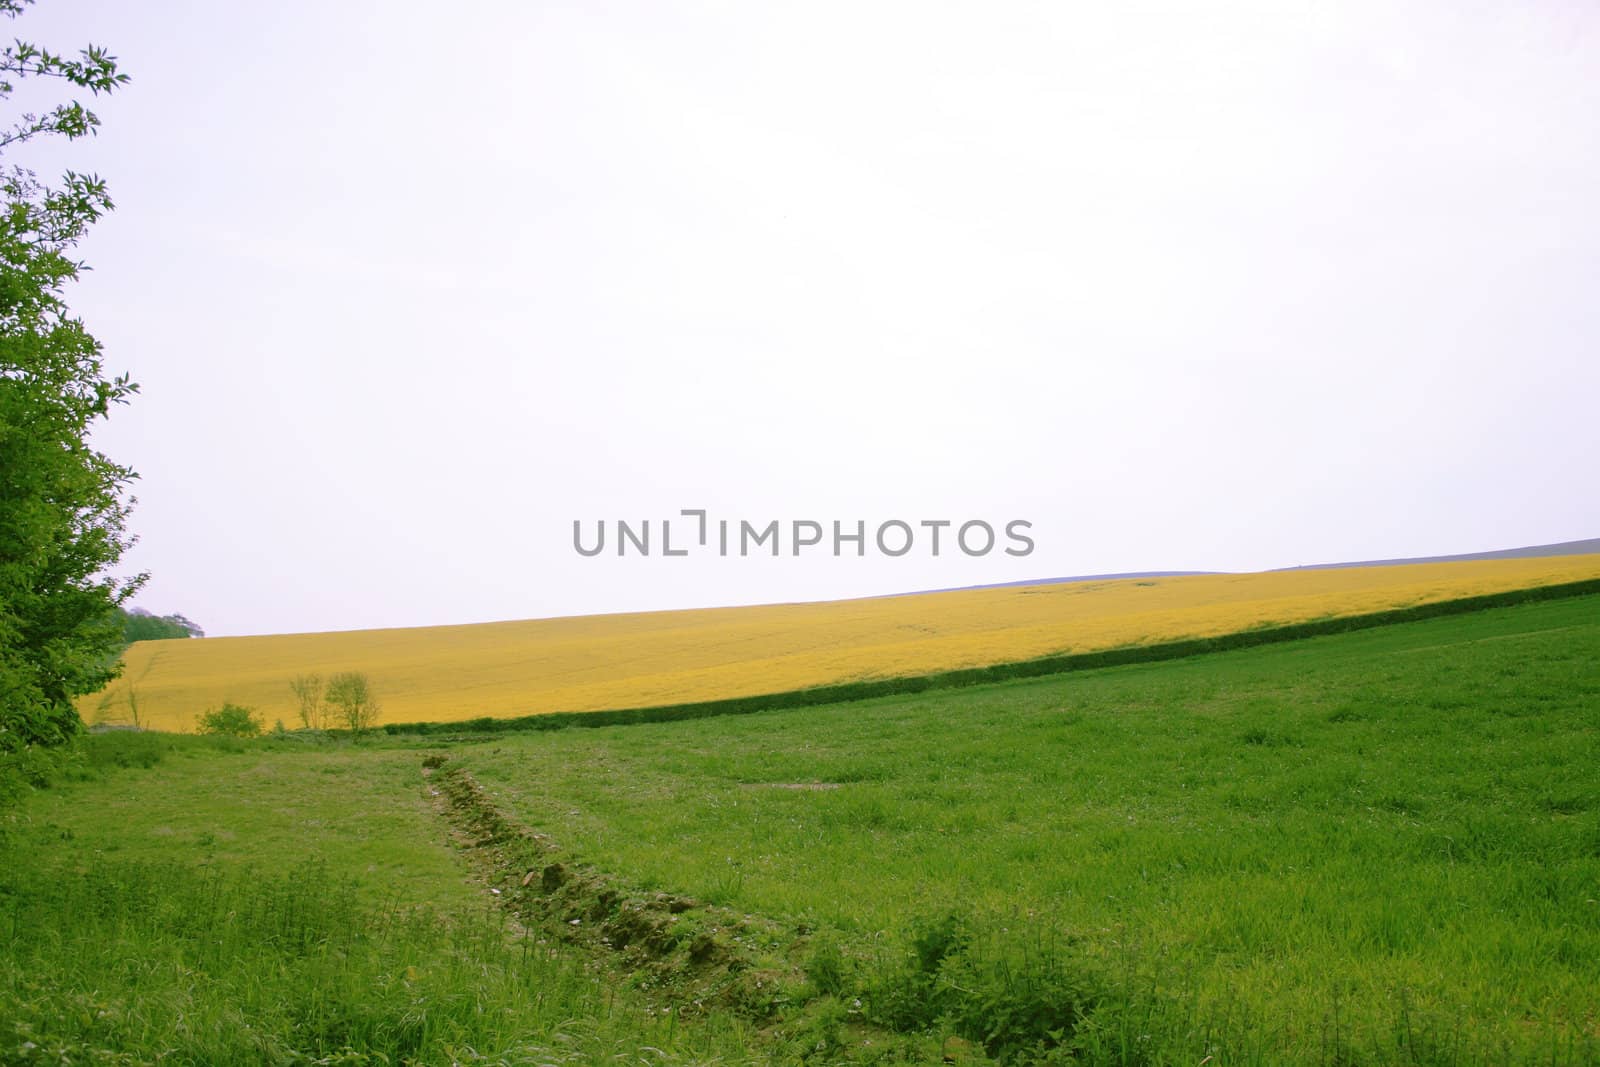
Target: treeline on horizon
(141, 625)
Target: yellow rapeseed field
(449, 673)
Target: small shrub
(825, 966)
(1022, 996)
(230, 720)
(933, 940)
(1018, 1001)
(902, 993)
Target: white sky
(409, 287)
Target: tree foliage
(141, 625)
(230, 720)
(307, 690)
(350, 698)
(63, 505)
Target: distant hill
(1561, 548)
(650, 659)
(1060, 581)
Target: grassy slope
(1397, 827)
(454, 673)
(1379, 847)
(274, 904)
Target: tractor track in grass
(683, 955)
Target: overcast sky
(410, 287)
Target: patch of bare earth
(803, 786)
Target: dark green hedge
(999, 672)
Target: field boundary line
(1062, 663)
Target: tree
(230, 720)
(63, 505)
(193, 628)
(351, 698)
(307, 689)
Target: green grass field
(1380, 847)
(224, 903)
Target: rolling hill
(587, 663)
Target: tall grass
(112, 961)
